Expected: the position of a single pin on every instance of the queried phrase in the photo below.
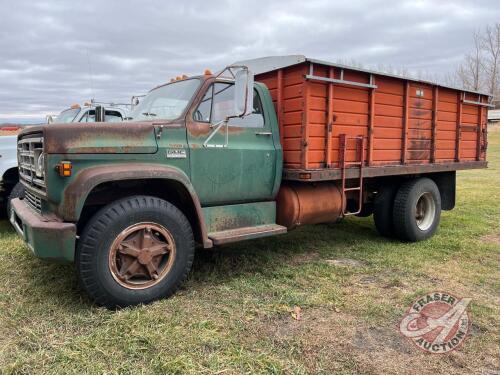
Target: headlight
(40, 165)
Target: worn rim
(425, 211)
(142, 255)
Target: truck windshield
(166, 102)
(67, 115)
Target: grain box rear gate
(335, 120)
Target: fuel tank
(305, 203)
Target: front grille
(33, 201)
(29, 150)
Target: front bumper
(47, 238)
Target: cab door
(232, 165)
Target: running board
(245, 233)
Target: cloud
(55, 53)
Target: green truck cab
(199, 165)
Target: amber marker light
(207, 72)
(64, 168)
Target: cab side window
(110, 116)
(113, 116)
(204, 110)
(217, 104)
(89, 116)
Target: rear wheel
(382, 209)
(133, 251)
(417, 210)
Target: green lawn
(234, 315)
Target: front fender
(77, 191)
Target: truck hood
(98, 138)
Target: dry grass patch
(491, 239)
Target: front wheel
(133, 251)
(417, 210)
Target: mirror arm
(216, 128)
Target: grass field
(234, 314)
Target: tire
(383, 210)
(111, 245)
(16, 192)
(417, 210)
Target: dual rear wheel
(410, 211)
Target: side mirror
(243, 93)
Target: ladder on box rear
(344, 164)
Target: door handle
(264, 133)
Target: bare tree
(469, 72)
(491, 46)
(390, 69)
(480, 68)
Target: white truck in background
(9, 176)
(87, 113)
(10, 187)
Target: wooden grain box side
(287, 91)
(388, 121)
(404, 122)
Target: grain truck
(256, 150)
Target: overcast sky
(54, 53)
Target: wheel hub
(425, 211)
(142, 255)
(145, 257)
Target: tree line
(480, 68)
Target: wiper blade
(148, 114)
